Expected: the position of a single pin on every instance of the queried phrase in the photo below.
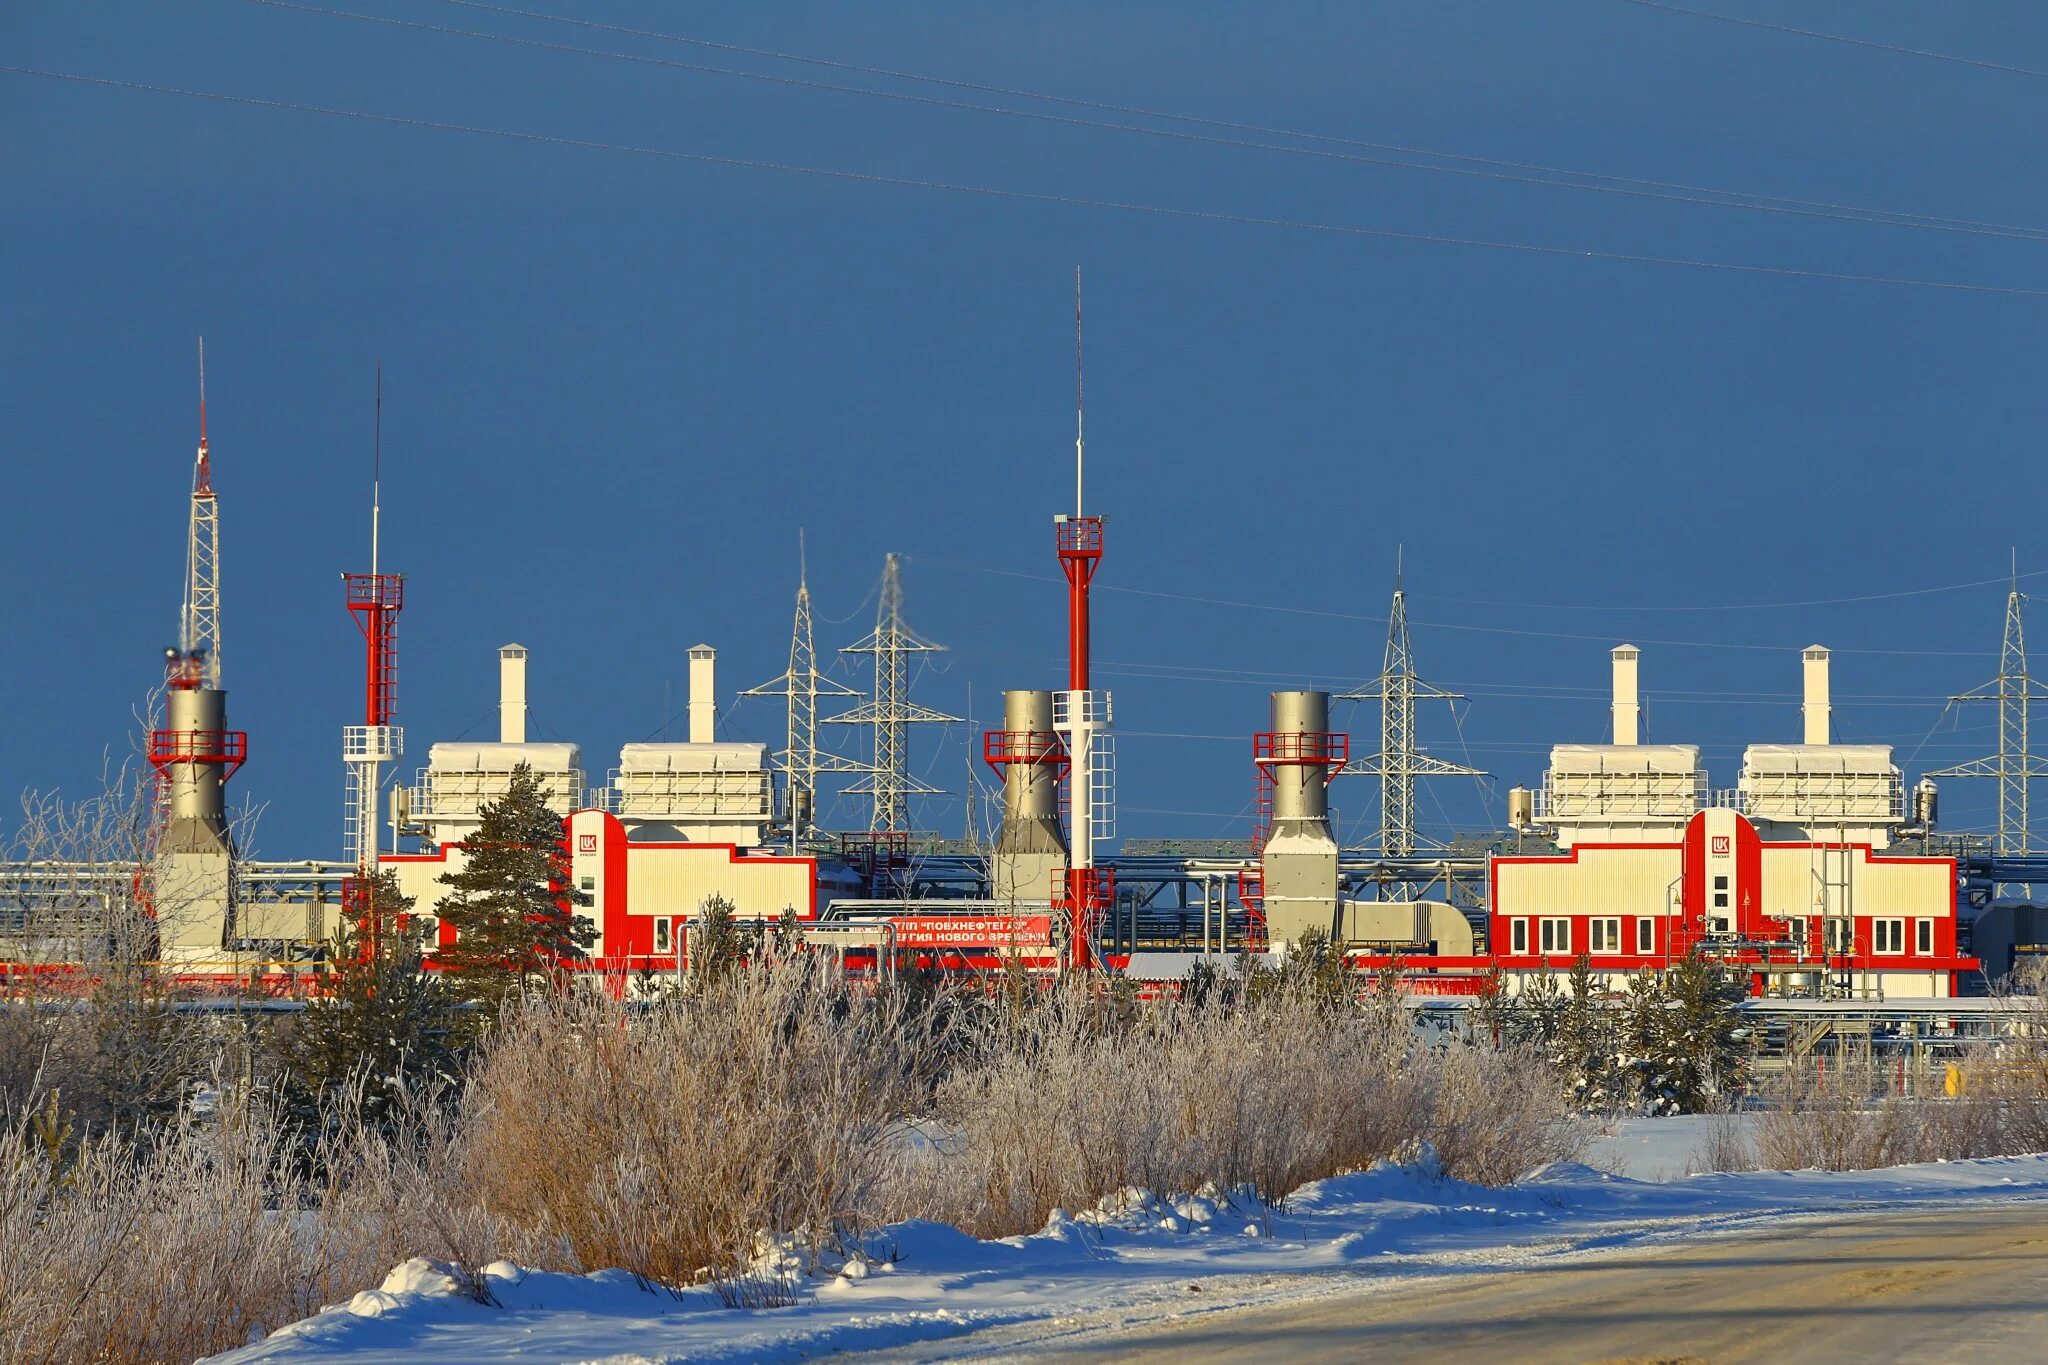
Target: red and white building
(1788, 875)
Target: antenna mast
(1082, 716)
(374, 599)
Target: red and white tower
(374, 599)
(1082, 715)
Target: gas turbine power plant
(1820, 875)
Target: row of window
(1554, 936)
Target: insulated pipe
(1815, 707)
(196, 792)
(703, 693)
(512, 694)
(1628, 709)
(1300, 789)
(1030, 790)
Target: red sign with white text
(937, 931)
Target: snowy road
(1959, 1285)
(1568, 1264)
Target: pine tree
(385, 1028)
(1644, 1045)
(511, 902)
(719, 948)
(1583, 1050)
(1709, 1041)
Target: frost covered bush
(174, 1248)
(1068, 1108)
(777, 1099)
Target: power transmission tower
(890, 712)
(1400, 761)
(2014, 765)
(800, 685)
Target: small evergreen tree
(1583, 1050)
(1709, 1042)
(386, 1027)
(789, 933)
(717, 948)
(1643, 1045)
(511, 902)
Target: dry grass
(1268, 1096)
(736, 1135)
(773, 1100)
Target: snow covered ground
(1137, 1258)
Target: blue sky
(616, 385)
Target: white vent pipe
(1814, 709)
(703, 693)
(1628, 707)
(512, 694)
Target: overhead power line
(1517, 175)
(1677, 188)
(1022, 196)
(1272, 607)
(1843, 38)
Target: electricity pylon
(800, 685)
(2014, 765)
(1400, 760)
(890, 712)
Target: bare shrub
(776, 1099)
(1726, 1146)
(1842, 1119)
(1266, 1095)
(180, 1248)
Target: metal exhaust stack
(1297, 758)
(1030, 851)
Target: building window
(587, 883)
(1518, 936)
(662, 940)
(1889, 935)
(1840, 935)
(1720, 899)
(1924, 934)
(1721, 884)
(1555, 935)
(1606, 935)
(1646, 935)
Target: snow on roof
(1818, 758)
(1625, 758)
(501, 758)
(692, 758)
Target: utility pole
(1400, 760)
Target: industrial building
(1818, 873)
(1789, 875)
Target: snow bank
(1136, 1253)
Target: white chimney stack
(703, 693)
(1628, 709)
(1815, 707)
(512, 694)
